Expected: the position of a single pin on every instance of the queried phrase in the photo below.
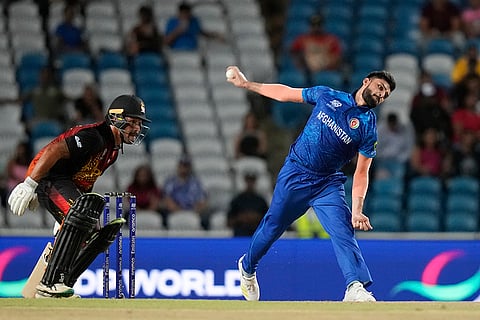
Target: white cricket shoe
(57, 290)
(357, 293)
(249, 285)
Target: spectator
(68, 36)
(428, 158)
(441, 19)
(466, 118)
(466, 64)
(145, 188)
(17, 166)
(252, 140)
(396, 142)
(471, 19)
(465, 157)
(47, 101)
(88, 107)
(246, 209)
(144, 37)
(182, 31)
(469, 84)
(316, 50)
(431, 107)
(184, 191)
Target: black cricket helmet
(128, 106)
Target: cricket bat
(35, 277)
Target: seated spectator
(246, 209)
(316, 50)
(144, 37)
(441, 19)
(68, 37)
(431, 106)
(466, 64)
(465, 156)
(469, 84)
(47, 101)
(88, 107)
(395, 142)
(182, 31)
(466, 118)
(428, 157)
(184, 191)
(252, 140)
(471, 19)
(144, 187)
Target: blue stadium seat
(163, 130)
(462, 203)
(27, 78)
(390, 204)
(425, 186)
(372, 44)
(423, 202)
(440, 46)
(367, 62)
(403, 45)
(423, 221)
(33, 60)
(463, 185)
(152, 95)
(46, 128)
(293, 78)
(161, 111)
(390, 187)
(386, 222)
(148, 61)
(75, 60)
(375, 12)
(461, 222)
(149, 78)
(333, 79)
(111, 60)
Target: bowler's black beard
(369, 99)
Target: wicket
(132, 223)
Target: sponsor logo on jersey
(334, 104)
(79, 143)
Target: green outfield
(160, 309)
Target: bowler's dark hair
(384, 75)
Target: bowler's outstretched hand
(235, 76)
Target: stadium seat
(333, 79)
(462, 203)
(463, 185)
(423, 202)
(422, 221)
(293, 78)
(386, 222)
(425, 186)
(75, 60)
(184, 221)
(111, 60)
(389, 204)
(461, 222)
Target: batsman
(61, 177)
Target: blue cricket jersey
(335, 132)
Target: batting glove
(23, 196)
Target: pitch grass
(165, 309)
